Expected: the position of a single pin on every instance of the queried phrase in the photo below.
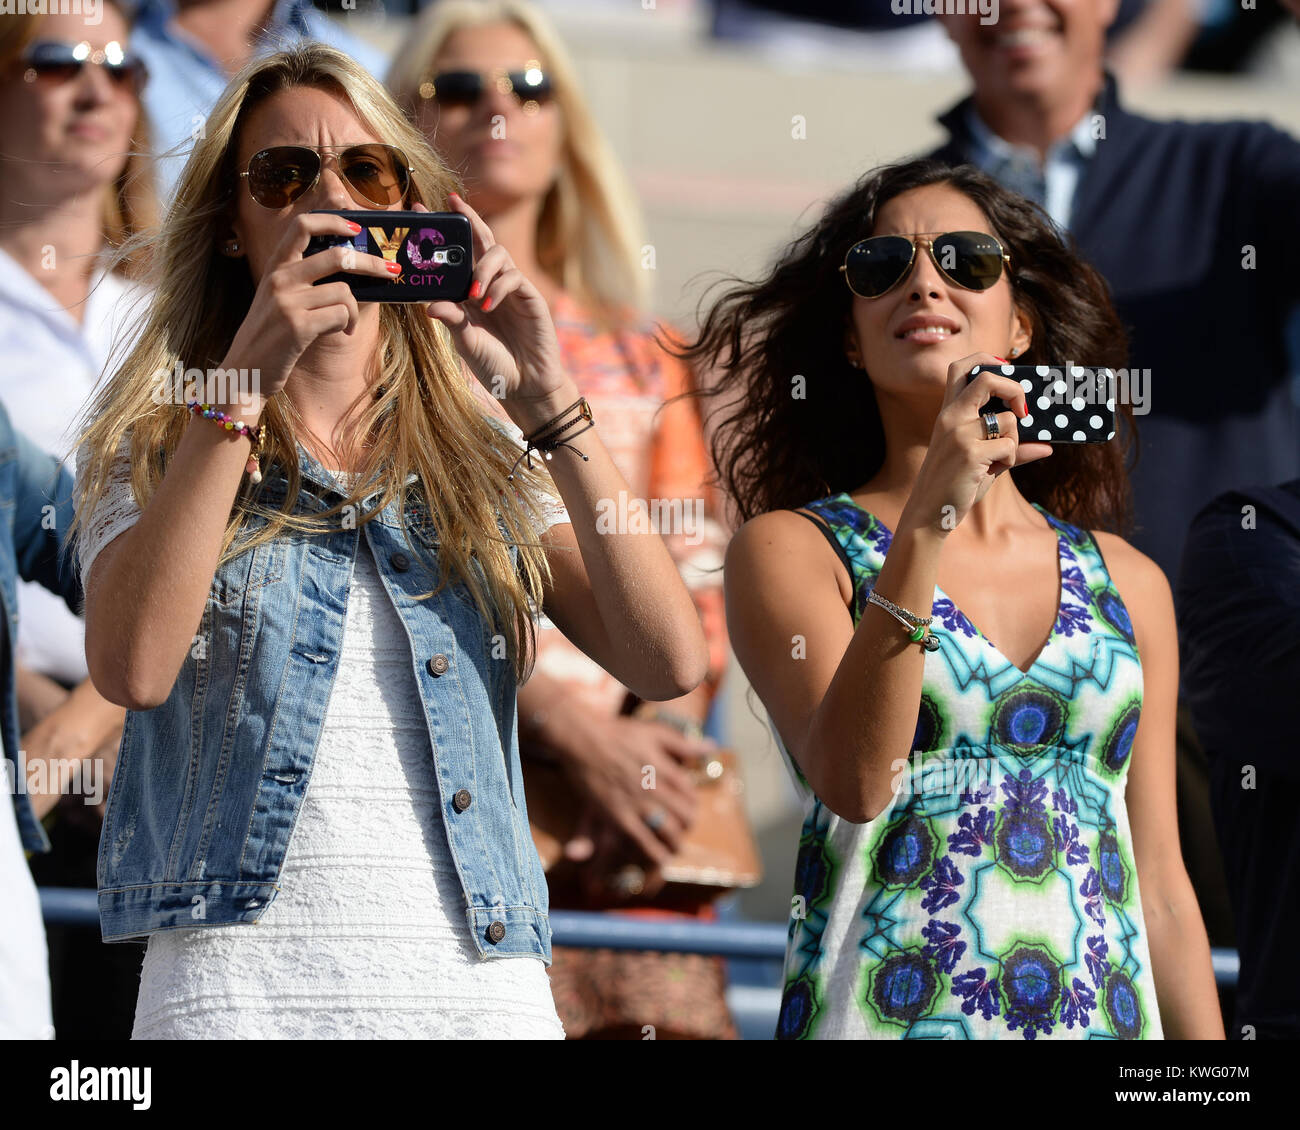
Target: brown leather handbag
(718, 853)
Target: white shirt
(49, 367)
(24, 966)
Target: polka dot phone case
(1067, 403)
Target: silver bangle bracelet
(908, 619)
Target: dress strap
(836, 544)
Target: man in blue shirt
(193, 47)
(1195, 227)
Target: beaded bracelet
(546, 438)
(257, 436)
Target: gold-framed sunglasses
(376, 174)
(532, 86)
(971, 260)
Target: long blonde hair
(130, 205)
(589, 230)
(423, 415)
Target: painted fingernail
(394, 268)
(354, 227)
(1003, 360)
(474, 290)
(487, 304)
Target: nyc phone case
(434, 250)
(1067, 403)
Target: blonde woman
(491, 86)
(318, 643)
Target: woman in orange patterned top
(492, 87)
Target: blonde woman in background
(492, 87)
(318, 638)
(75, 184)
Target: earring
(232, 246)
(1015, 353)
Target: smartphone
(1067, 403)
(434, 250)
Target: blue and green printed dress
(996, 897)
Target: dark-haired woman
(990, 848)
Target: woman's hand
(634, 777)
(84, 727)
(289, 312)
(961, 464)
(504, 329)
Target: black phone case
(434, 250)
(1074, 405)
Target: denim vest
(208, 785)
(36, 510)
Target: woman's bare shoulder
(787, 543)
(1142, 584)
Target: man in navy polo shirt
(1195, 226)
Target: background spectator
(193, 47)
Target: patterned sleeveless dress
(996, 897)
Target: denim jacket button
(438, 664)
(496, 932)
(401, 562)
(461, 800)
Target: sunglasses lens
(60, 72)
(457, 88)
(277, 177)
(377, 172)
(531, 86)
(876, 264)
(971, 259)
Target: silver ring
(655, 820)
(991, 429)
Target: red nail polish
(487, 305)
(474, 290)
(355, 227)
(394, 268)
(1003, 360)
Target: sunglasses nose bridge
(331, 187)
(923, 256)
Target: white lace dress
(367, 937)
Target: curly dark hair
(772, 450)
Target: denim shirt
(209, 784)
(36, 509)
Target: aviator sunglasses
(971, 260)
(531, 86)
(61, 62)
(374, 173)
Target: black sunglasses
(61, 62)
(464, 88)
(375, 174)
(971, 260)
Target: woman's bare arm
(618, 595)
(844, 701)
(1180, 951)
(147, 588)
